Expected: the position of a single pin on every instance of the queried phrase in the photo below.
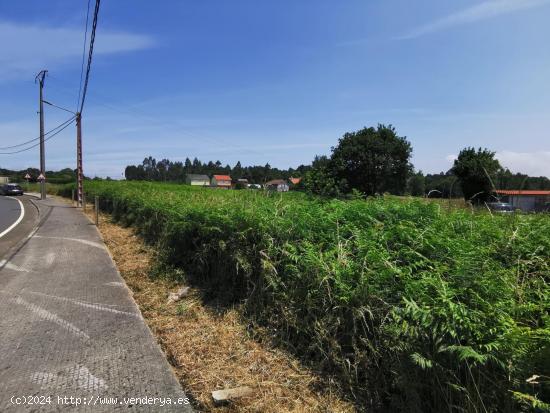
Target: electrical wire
(90, 54)
(83, 55)
(62, 126)
(58, 107)
(35, 139)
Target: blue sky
(280, 81)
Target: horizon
(280, 83)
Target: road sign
(27, 176)
(41, 177)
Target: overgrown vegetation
(415, 308)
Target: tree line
(377, 160)
(370, 161)
(168, 171)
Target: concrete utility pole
(79, 172)
(40, 78)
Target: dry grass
(211, 350)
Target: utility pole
(79, 173)
(40, 78)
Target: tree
(372, 160)
(473, 170)
(321, 179)
(237, 172)
(416, 184)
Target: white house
(221, 181)
(279, 185)
(197, 180)
(526, 200)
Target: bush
(412, 308)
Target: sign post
(42, 179)
(27, 177)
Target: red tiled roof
(295, 181)
(276, 182)
(521, 192)
(222, 177)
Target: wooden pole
(79, 171)
(97, 210)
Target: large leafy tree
(373, 160)
(474, 169)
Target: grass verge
(210, 348)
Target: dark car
(11, 189)
(501, 207)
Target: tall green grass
(412, 307)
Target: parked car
(501, 207)
(11, 189)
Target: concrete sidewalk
(70, 328)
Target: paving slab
(70, 328)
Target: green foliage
(371, 160)
(63, 176)
(168, 171)
(411, 307)
(416, 184)
(322, 181)
(474, 171)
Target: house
(197, 180)
(4, 180)
(295, 181)
(221, 181)
(526, 200)
(279, 185)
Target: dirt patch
(212, 350)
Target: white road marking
(46, 315)
(64, 379)
(14, 267)
(49, 259)
(111, 284)
(83, 241)
(95, 306)
(21, 216)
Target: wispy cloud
(531, 163)
(481, 11)
(28, 48)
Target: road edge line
(21, 216)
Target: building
(526, 200)
(295, 181)
(221, 181)
(197, 180)
(279, 185)
(4, 180)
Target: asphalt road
(10, 211)
(71, 335)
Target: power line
(83, 54)
(58, 107)
(90, 54)
(62, 126)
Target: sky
(278, 82)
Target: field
(410, 305)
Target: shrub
(412, 308)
